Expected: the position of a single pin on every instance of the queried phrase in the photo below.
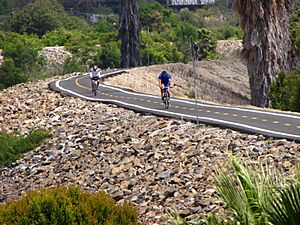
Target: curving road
(272, 124)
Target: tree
(130, 34)
(42, 16)
(5, 6)
(267, 45)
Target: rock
(258, 149)
(281, 142)
(165, 175)
(61, 146)
(170, 191)
(286, 156)
(209, 191)
(117, 196)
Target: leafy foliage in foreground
(67, 206)
(13, 146)
(254, 195)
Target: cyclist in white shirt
(95, 73)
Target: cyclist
(164, 82)
(95, 74)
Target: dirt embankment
(220, 81)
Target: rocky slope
(55, 57)
(156, 163)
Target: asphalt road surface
(271, 124)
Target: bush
(109, 56)
(13, 146)
(67, 206)
(23, 49)
(208, 43)
(160, 53)
(72, 65)
(10, 75)
(284, 92)
(104, 27)
(59, 37)
(228, 33)
(22, 62)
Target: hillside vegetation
(22, 34)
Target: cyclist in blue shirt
(164, 82)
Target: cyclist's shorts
(95, 78)
(167, 85)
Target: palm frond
(285, 207)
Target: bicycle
(166, 98)
(95, 85)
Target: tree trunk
(130, 34)
(267, 45)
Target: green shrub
(208, 43)
(21, 59)
(160, 53)
(156, 56)
(23, 49)
(10, 75)
(109, 56)
(67, 206)
(104, 27)
(284, 92)
(72, 65)
(13, 146)
(228, 33)
(57, 37)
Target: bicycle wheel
(94, 91)
(168, 100)
(165, 100)
(97, 87)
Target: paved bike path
(274, 124)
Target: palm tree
(259, 195)
(130, 34)
(285, 205)
(267, 45)
(254, 195)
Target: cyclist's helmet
(164, 72)
(95, 67)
